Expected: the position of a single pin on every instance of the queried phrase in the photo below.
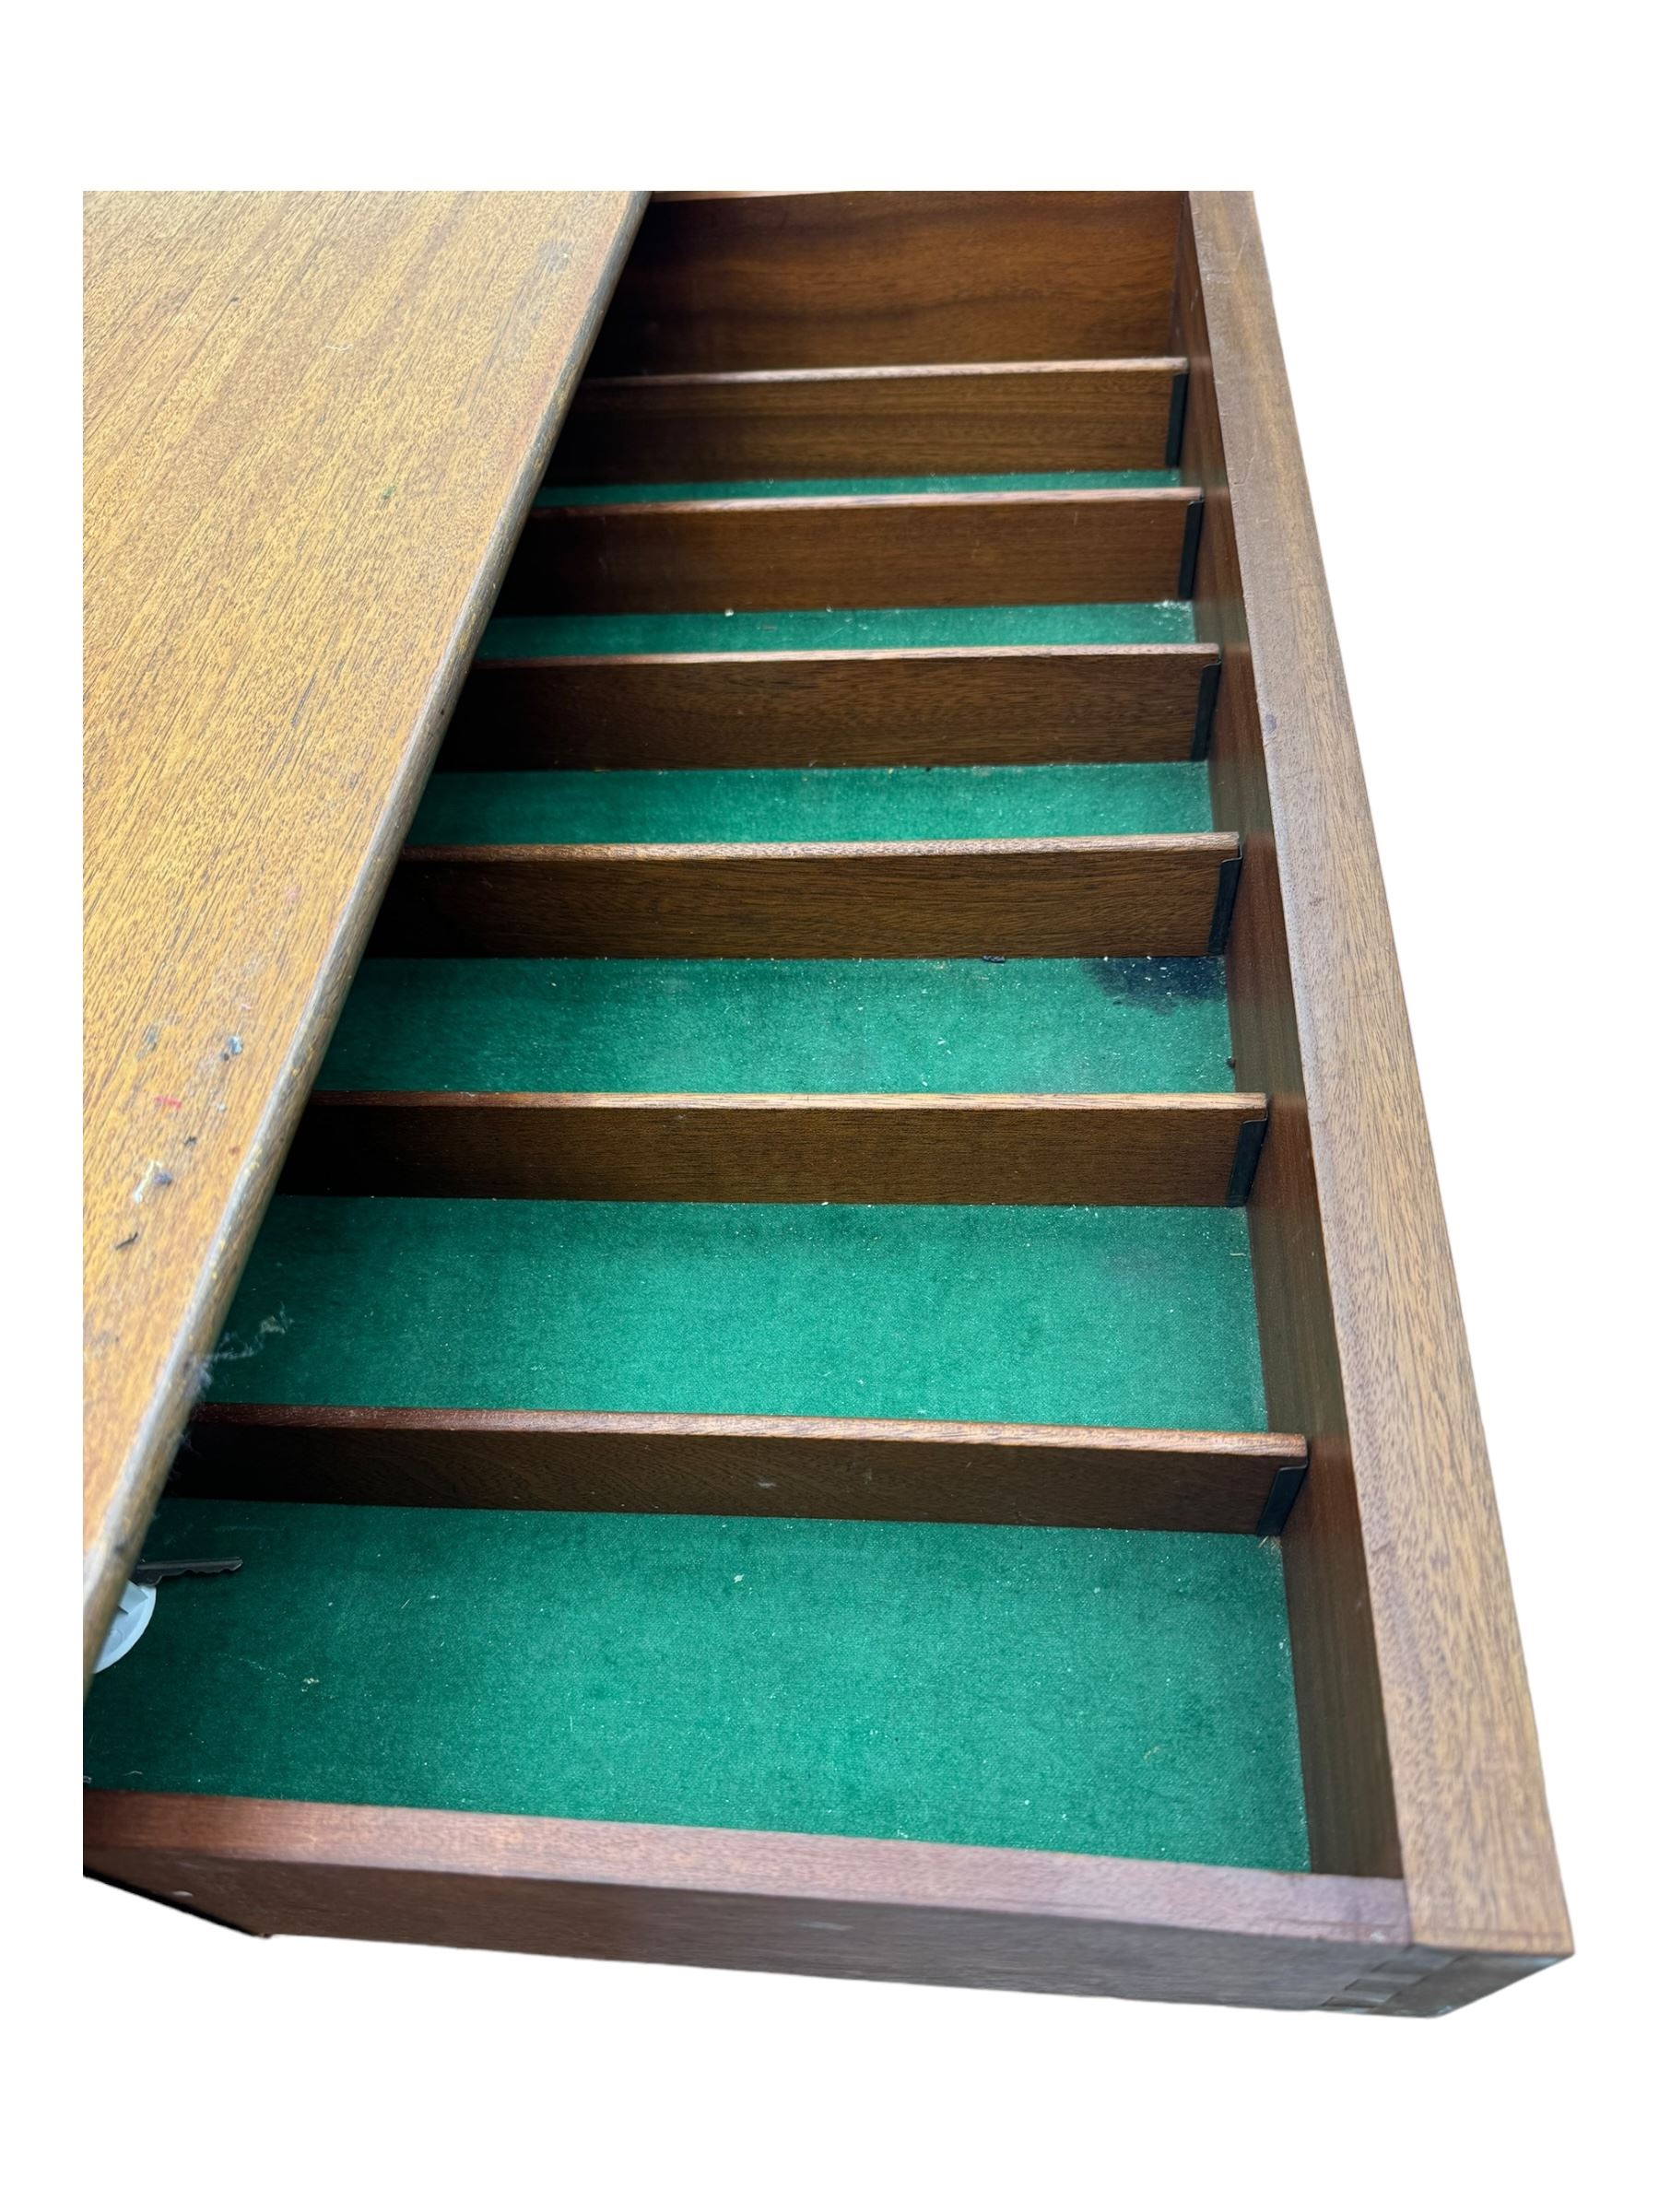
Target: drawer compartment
(1118, 1316)
(1099, 1690)
(944, 1026)
(849, 1363)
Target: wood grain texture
(955, 1914)
(1015, 549)
(964, 419)
(314, 422)
(975, 1471)
(989, 705)
(1053, 899)
(1475, 1843)
(1345, 1775)
(847, 279)
(879, 1149)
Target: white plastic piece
(138, 1602)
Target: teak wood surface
(885, 1911)
(729, 281)
(977, 706)
(1435, 1880)
(1419, 1744)
(967, 419)
(1346, 1783)
(1043, 898)
(314, 422)
(675, 1463)
(975, 548)
(880, 1148)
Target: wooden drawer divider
(979, 706)
(938, 550)
(1047, 898)
(951, 419)
(692, 1463)
(880, 1148)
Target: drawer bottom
(1084, 1690)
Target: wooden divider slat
(959, 420)
(958, 1914)
(865, 1470)
(797, 280)
(783, 1149)
(1056, 898)
(976, 706)
(936, 549)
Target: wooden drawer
(854, 1367)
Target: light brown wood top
(314, 422)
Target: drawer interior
(784, 1026)
(759, 1329)
(1127, 1317)
(1055, 1689)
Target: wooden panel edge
(950, 418)
(925, 707)
(948, 1913)
(516, 1459)
(1055, 897)
(811, 1148)
(767, 280)
(935, 549)
(1476, 1845)
(1346, 1773)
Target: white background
(1449, 213)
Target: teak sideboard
(752, 1134)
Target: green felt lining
(1125, 1024)
(1070, 1690)
(850, 488)
(714, 805)
(1137, 1317)
(841, 630)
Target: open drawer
(854, 1367)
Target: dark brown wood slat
(776, 1148)
(1418, 1748)
(801, 280)
(977, 706)
(1056, 898)
(679, 1462)
(956, 1915)
(1014, 548)
(960, 420)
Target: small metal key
(151, 1572)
